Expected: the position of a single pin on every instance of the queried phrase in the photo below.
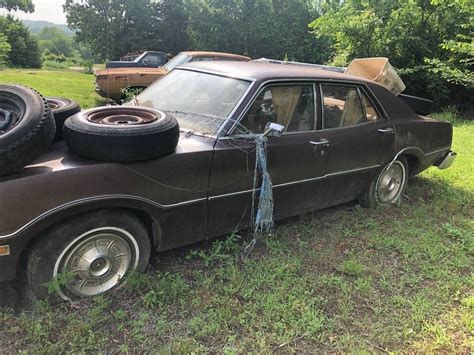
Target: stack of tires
(29, 123)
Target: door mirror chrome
(273, 129)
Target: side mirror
(273, 130)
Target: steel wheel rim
(122, 117)
(96, 261)
(10, 112)
(390, 183)
(54, 104)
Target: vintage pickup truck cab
(148, 59)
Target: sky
(46, 10)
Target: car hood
(129, 71)
(58, 158)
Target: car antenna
(107, 47)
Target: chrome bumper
(448, 160)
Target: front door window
(289, 105)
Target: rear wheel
(87, 256)
(388, 186)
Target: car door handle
(386, 130)
(320, 142)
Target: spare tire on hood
(26, 127)
(121, 134)
(62, 109)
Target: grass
(71, 84)
(345, 279)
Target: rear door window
(370, 112)
(342, 106)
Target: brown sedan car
(111, 82)
(344, 139)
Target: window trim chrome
(315, 81)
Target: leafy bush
(51, 64)
(59, 61)
(88, 64)
(129, 93)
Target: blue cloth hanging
(263, 222)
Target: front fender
(37, 199)
(20, 240)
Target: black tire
(32, 131)
(48, 259)
(371, 197)
(62, 109)
(121, 133)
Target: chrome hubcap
(390, 183)
(97, 262)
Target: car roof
(219, 54)
(266, 71)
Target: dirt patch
(8, 294)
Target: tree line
(428, 41)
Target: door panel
(296, 170)
(360, 140)
(355, 155)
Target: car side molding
(95, 199)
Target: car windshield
(178, 60)
(201, 102)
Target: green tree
(407, 32)
(25, 51)
(258, 28)
(173, 26)
(112, 28)
(5, 49)
(291, 33)
(55, 41)
(457, 64)
(15, 5)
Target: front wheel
(87, 256)
(388, 186)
